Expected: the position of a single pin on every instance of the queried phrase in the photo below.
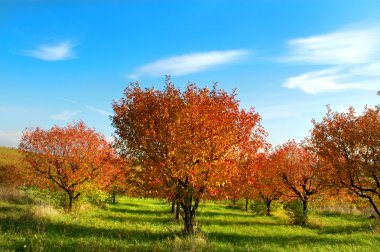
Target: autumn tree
(351, 144)
(267, 185)
(116, 179)
(65, 157)
(300, 170)
(185, 141)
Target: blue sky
(62, 61)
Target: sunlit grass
(146, 225)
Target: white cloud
(54, 52)
(10, 138)
(188, 63)
(335, 79)
(354, 54)
(341, 47)
(100, 111)
(65, 115)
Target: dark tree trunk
(246, 204)
(374, 206)
(189, 216)
(268, 203)
(173, 206)
(188, 219)
(71, 201)
(304, 205)
(113, 194)
(177, 209)
(234, 201)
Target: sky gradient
(64, 61)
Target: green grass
(146, 225)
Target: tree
(65, 157)
(351, 144)
(185, 142)
(116, 178)
(267, 185)
(301, 171)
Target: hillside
(9, 156)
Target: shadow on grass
(344, 229)
(10, 209)
(248, 223)
(212, 214)
(283, 241)
(140, 219)
(27, 224)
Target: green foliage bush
(294, 209)
(258, 208)
(52, 196)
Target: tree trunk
(113, 197)
(188, 219)
(374, 206)
(177, 212)
(71, 198)
(268, 203)
(304, 205)
(246, 204)
(234, 201)
(189, 215)
(173, 206)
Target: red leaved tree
(301, 171)
(186, 142)
(267, 185)
(351, 144)
(65, 157)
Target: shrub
(294, 209)
(258, 208)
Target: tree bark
(113, 197)
(177, 208)
(71, 198)
(246, 204)
(188, 220)
(189, 215)
(304, 205)
(374, 206)
(173, 206)
(268, 203)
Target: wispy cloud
(189, 63)
(10, 138)
(100, 111)
(335, 79)
(340, 47)
(53, 52)
(65, 115)
(353, 54)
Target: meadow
(135, 224)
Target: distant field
(146, 225)
(9, 156)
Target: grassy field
(9, 156)
(146, 225)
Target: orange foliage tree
(267, 185)
(65, 157)
(351, 144)
(116, 178)
(300, 170)
(186, 142)
(244, 178)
